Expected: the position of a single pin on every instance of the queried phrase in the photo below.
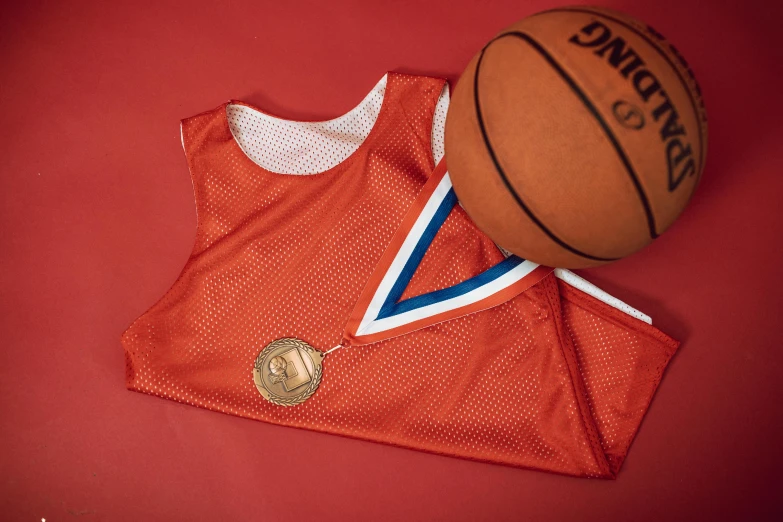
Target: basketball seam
(601, 121)
(575, 88)
(504, 178)
(668, 60)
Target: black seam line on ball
(503, 177)
(601, 121)
(668, 60)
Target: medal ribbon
(380, 314)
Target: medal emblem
(288, 371)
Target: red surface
(98, 219)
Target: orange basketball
(576, 137)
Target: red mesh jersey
(553, 379)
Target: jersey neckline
(339, 167)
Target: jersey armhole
(127, 337)
(439, 125)
(192, 178)
(197, 196)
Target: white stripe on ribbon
(477, 294)
(404, 253)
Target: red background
(98, 220)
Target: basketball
(277, 365)
(576, 136)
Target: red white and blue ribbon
(380, 314)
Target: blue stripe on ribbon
(444, 209)
(392, 307)
(464, 287)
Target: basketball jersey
(294, 220)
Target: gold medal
(288, 371)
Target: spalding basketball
(576, 137)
